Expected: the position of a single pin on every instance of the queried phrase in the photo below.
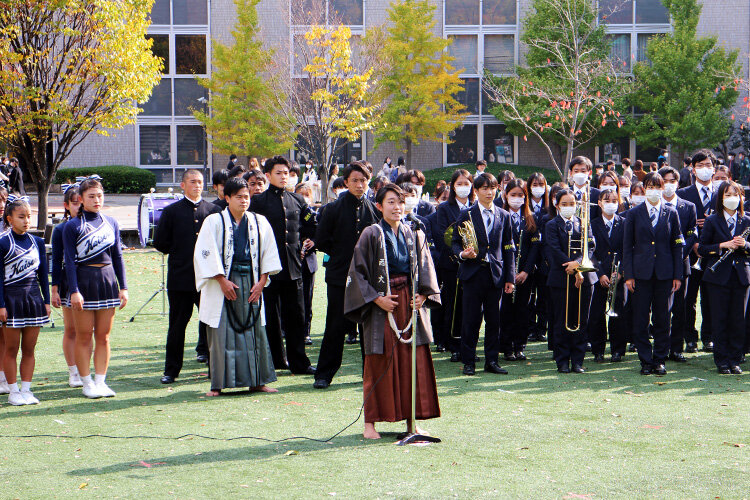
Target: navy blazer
(687, 214)
(428, 233)
(529, 247)
(425, 208)
(542, 261)
(650, 251)
(607, 246)
(498, 247)
(715, 231)
(445, 215)
(691, 194)
(595, 211)
(557, 251)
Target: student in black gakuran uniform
(176, 235)
(579, 172)
(536, 188)
(288, 215)
(727, 286)
(652, 266)
(484, 274)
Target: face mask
(411, 203)
(716, 184)
(538, 191)
(705, 173)
(637, 199)
(731, 202)
(580, 178)
(234, 161)
(625, 192)
(599, 171)
(608, 188)
(609, 208)
(292, 181)
(653, 195)
(419, 191)
(463, 191)
(670, 188)
(308, 201)
(515, 202)
(338, 192)
(567, 212)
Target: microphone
(415, 222)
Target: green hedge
(521, 171)
(115, 178)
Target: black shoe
(167, 379)
(735, 370)
(660, 369)
(677, 357)
(631, 348)
(579, 368)
(646, 370)
(724, 370)
(510, 357)
(520, 356)
(469, 370)
(201, 358)
(351, 338)
(708, 347)
(308, 340)
(563, 369)
(439, 348)
(493, 367)
(598, 358)
(691, 347)
(310, 370)
(321, 384)
(616, 357)
(455, 357)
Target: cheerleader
(515, 312)
(59, 291)
(24, 298)
(93, 267)
(565, 281)
(652, 267)
(727, 285)
(4, 388)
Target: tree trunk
(408, 153)
(42, 188)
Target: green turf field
(609, 433)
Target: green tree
(243, 118)
(69, 68)
(417, 82)
(568, 91)
(687, 88)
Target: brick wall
(117, 149)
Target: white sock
(25, 386)
(99, 378)
(73, 370)
(86, 379)
(2, 377)
(13, 387)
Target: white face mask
(637, 199)
(580, 178)
(515, 202)
(716, 184)
(608, 187)
(338, 192)
(609, 208)
(567, 212)
(411, 203)
(731, 202)
(419, 191)
(704, 173)
(538, 191)
(670, 188)
(625, 192)
(653, 195)
(462, 191)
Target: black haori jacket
(368, 279)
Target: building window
(499, 53)
(187, 93)
(160, 12)
(464, 146)
(616, 151)
(498, 12)
(160, 103)
(155, 144)
(651, 12)
(348, 12)
(642, 47)
(464, 49)
(190, 144)
(498, 144)
(462, 12)
(469, 96)
(190, 12)
(619, 51)
(616, 11)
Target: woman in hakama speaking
(378, 295)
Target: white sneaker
(4, 388)
(29, 397)
(105, 391)
(91, 391)
(17, 399)
(75, 381)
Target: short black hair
(232, 157)
(663, 171)
(356, 166)
(237, 170)
(294, 168)
(702, 155)
(389, 188)
(408, 187)
(191, 171)
(253, 172)
(234, 185)
(687, 161)
(580, 160)
(485, 179)
(220, 177)
(653, 179)
(338, 183)
(272, 162)
(400, 161)
(481, 162)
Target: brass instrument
(614, 279)
(729, 252)
(579, 245)
(468, 236)
(518, 259)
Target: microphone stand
(412, 436)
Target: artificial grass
(609, 433)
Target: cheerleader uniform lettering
(24, 288)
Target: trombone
(614, 279)
(579, 245)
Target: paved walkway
(123, 207)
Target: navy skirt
(25, 305)
(62, 289)
(99, 288)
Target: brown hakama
(387, 383)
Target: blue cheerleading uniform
(59, 278)
(90, 241)
(24, 285)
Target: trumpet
(729, 252)
(518, 258)
(579, 245)
(614, 279)
(468, 236)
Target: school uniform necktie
(731, 225)
(609, 227)
(516, 223)
(653, 216)
(487, 221)
(705, 196)
(578, 195)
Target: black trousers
(437, 316)
(284, 297)
(516, 319)
(570, 346)
(654, 296)
(451, 295)
(540, 306)
(480, 298)
(180, 311)
(691, 299)
(308, 286)
(677, 331)
(728, 304)
(600, 325)
(337, 327)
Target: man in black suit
(175, 235)
(232, 161)
(687, 176)
(288, 215)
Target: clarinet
(518, 259)
(729, 252)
